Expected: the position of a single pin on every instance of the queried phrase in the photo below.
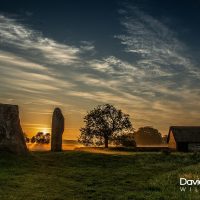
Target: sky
(141, 56)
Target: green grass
(83, 175)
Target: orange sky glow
(141, 66)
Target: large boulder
(11, 134)
(57, 130)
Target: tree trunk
(106, 142)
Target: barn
(184, 138)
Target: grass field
(84, 175)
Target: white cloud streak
(150, 85)
(19, 36)
(155, 45)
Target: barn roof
(185, 133)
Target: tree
(39, 137)
(33, 139)
(47, 138)
(42, 138)
(125, 140)
(102, 124)
(148, 136)
(26, 138)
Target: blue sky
(141, 56)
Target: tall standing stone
(57, 130)
(11, 134)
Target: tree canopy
(40, 137)
(125, 140)
(148, 136)
(103, 124)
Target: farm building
(184, 138)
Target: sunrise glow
(136, 61)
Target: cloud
(22, 74)
(13, 60)
(167, 69)
(155, 85)
(155, 46)
(157, 51)
(162, 76)
(21, 37)
(87, 46)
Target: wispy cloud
(21, 74)
(149, 37)
(87, 46)
(168, 69)
(156, 83)
(155, 46)
(21, 37)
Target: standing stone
(57, 130)
(11, 135)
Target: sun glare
(46, 130)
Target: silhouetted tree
(102, 124)
(148, 136)
(126, 140)
(33, 139)
(42, 138)
(47, 138)
(39, 137)
(27, 140)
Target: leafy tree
(103, 124)
(126, 140)
(41, 138)
(148, 136)
(47, 138)
(33, 139)
(26, 138)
